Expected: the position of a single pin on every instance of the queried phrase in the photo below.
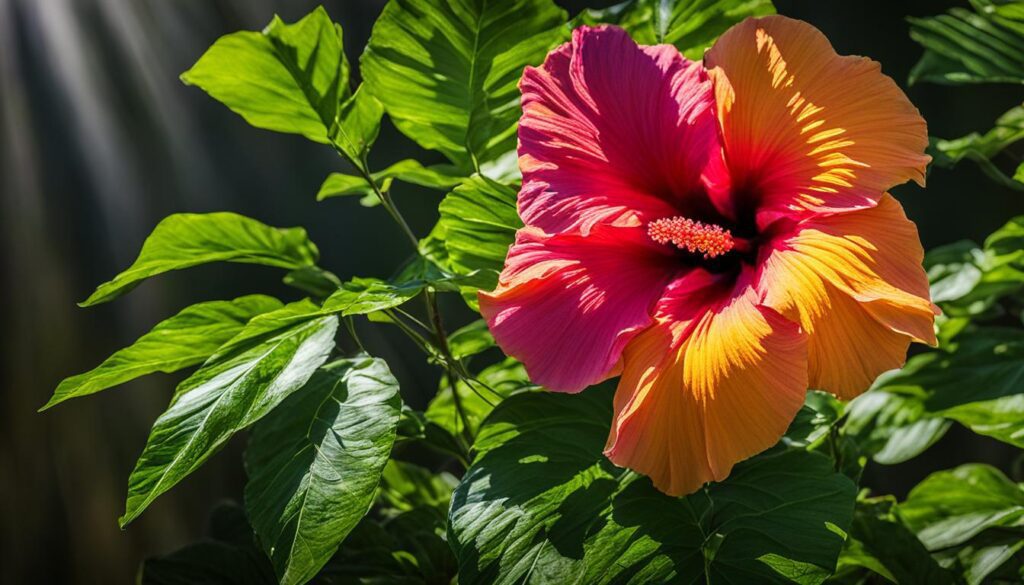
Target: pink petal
(613, 132)
(566, 304)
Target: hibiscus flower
(718, 234)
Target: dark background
(100, 141)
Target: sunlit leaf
(478, 224)
(973, 510)
(963, 46)
(446, 72)
(984, 148)
(357, 126)
(440, 177)
(273, 356)
(541, 504)
(691, 25)
(189, 239)
(289, 78)
(315, 462)
(184, 340)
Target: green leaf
(470, 340)
(879, 542)
(408, 171)
(289, 78)
(891, 427)
(968, 281)
(478, 398)
(408, 549)
(405, 487)
(447, 72)
(984, 46)
(227, 556)
(251, 374)
(983, 148)
(184, 340)
(975, 382)
(541, 504)
(315, 462)
(358, 125)
(367, 295)
(972, 513)
(314, 280)
(478, 224)
(691, 25)
(189, 239)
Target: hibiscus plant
(673, 218)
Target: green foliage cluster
(518, 490)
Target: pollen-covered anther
(693, 236)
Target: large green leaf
(879, 542)
(184, 340)
(975, 382)
(189, 239)
(892, 427)
(446, 70)
(967, 280)
(358, 126)
(289, 78)
(984, 46)
(983, 148)
(315, 462)
(478, 224)
(541, 504)
(251, 374)
(973, 515)
(691, 25)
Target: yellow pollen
(693, 236)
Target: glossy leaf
(251, 374)
(963, 46)
(973, 511)
(691, 25)
(984, 148)
(478, 224)
(366, 295)
(967, 280)
(408, 171)
(975, 382)
(189, 239)
(357, 126)
(541, 504)
(405, 487)
(184, 340)
(446, 71)
(315, 462)
(470, 340)
(289, 78)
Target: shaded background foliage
(100, 141)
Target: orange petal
(855, 283)
(697, 396)
(807, 129)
